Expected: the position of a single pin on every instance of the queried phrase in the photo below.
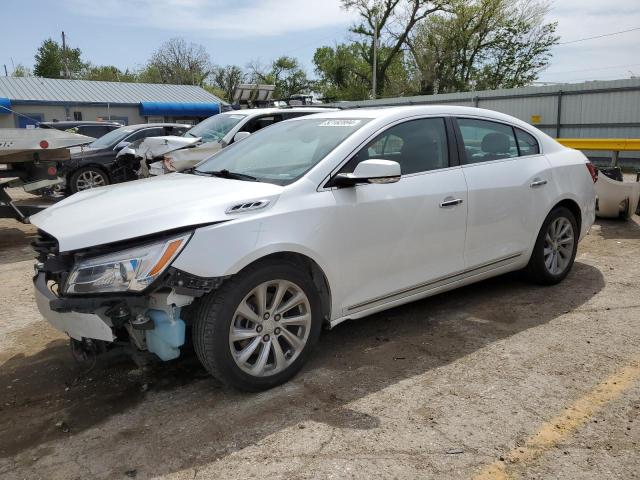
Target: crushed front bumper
(75, 324)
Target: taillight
(52, 171)
(592, 171)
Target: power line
(599, 36)
(593, 69)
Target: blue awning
(5, 105)
(179, 109)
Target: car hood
(79, 153)
(145, 207)
(154, 147)
(75, 151)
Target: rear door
(396, 239)
(506, 177)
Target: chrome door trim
(433, 284)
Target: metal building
(602, 109)
(26, 101)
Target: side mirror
(370, 171)
(121, 145)
(240, 136)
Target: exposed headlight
(130, 270)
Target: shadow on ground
(619, 229)
(15, 243)
(201, 421)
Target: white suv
(312, 221)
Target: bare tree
(181, 63)
(394, 20)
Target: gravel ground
(498, 380)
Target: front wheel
(259, 328)
(555, 249)
(87, 177)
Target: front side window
(527, 143)
(285, 151)
(213, 129)
(112, 138)
(417, 145)
(145, 133)
(485, 141)
(259, 123)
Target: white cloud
(219, 18)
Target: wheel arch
(316, 273)
(571, 205)
(97, 166)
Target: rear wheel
(259, 328)
(555, 248)
(87, 177)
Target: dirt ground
(498, 380)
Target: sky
(126, 32)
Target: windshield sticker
(339, 123)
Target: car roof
(263, 111)
(81, 123)
(138, 126)
(400, 112)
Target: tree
(226, 79)
(285, 73)
(21, 71)
(343, 74)
(108, 73)
(51, 58)
(179, 63)
(482, 44)
(394, 20)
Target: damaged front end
(124, 294)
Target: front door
(395, 238)
(506, 176)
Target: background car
(90, 129)
(92, 165)
(211, 135)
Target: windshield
(111, 138)
(214, 128)
(283, 152)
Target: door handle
(538, 183)
(450, 202)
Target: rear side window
(417, 145)
(95, 131)
(485, 141)
(527, 143)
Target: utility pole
(65, 63)
(374, 79)
(5, 70)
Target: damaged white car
(312, 221)
(179, 153)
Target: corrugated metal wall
(608, 109)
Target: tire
(88, 177)
(218, 317)
(551, 241)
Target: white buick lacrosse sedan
(314, 220)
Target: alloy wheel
(270, 328)
(558, 245)
(90, 179)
